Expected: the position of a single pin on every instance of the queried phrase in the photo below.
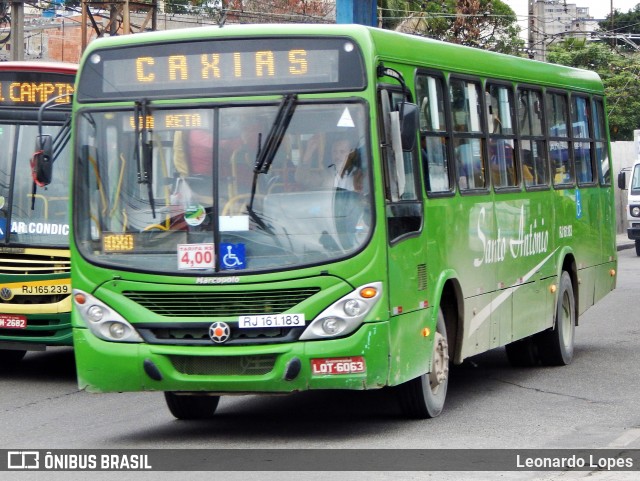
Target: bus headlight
(635, 211)
(345, 315)
(102, 321)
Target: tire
(187, 406)
(424, 396)
(637, 247)
(9, 358)
(555, 345)
(523, 353)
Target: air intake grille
(220, 304)
(33, 264)
(422, 277)
(224, 365)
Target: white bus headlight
(95, 313)
(353, 307)
(102, 321)
(635, 211)
(345, 315)
(333, 326)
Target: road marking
(627, 438)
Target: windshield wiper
(143, 142)
(267, 152)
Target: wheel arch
(450, 300)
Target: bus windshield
(33, 219)
(180, 190)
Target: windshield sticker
(345, 119)
(2, 201)
(578, 205)
(232, 256)
(233, 223)
(194, 215)
(196, 256)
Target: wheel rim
(439, 364)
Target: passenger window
(535, 168)
(557, 117)
(466, 104)
(502, 151)
(434, 138)
(581, 129)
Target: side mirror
(409, 123)
(42, 164)
(622, 180)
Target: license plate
(341, 365)
(10, 321)
(274, 320)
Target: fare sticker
(196, 256)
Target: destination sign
(32, 89)
(215, 67)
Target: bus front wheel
(638, 247)
(191, 406)
(424, 396)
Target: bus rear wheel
(9, 357)
(555, 345)
(191, 406)
(424, 396)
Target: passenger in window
(340, 169)
(193, 161)
(501, 160)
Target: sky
(598, 9)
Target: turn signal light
(368, 292)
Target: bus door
(404, 220)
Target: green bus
(35, 286)
(272, 209)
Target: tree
(620, 75)
(622, 23)
(486, 24)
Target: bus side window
(581, 132)
(599, 133)
(434, 136)
(502, 143)
(466, 100)
(557, 110)
(535, 168)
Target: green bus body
(35, 285)
(442, 268)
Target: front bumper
(117, 367)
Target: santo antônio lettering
(211, 66)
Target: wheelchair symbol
(234, 257)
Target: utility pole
(17, 30)
(531, 22)
(119, 17)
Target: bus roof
(37, 66)
(391, 46)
